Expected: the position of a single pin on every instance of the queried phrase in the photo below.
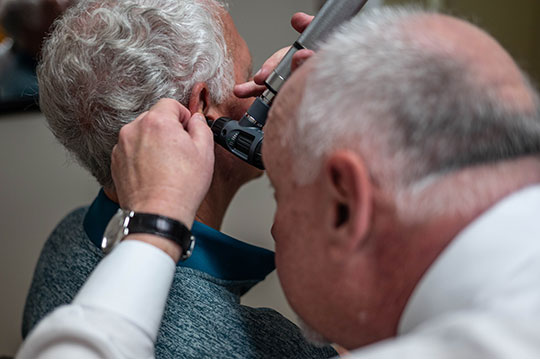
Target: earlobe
(199, 101)
(350, 192)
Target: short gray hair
(108, 61)
(413, 112)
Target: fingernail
(258, 73)
(204, 119)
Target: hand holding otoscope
(254, 88)
(245, 137)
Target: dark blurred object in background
(23, 26)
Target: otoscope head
(257, 113)
(243, 142)
(244, 138)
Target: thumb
(200, 133)
(300, 21)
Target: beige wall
(515, 24)
(39, 184)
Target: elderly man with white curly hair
(106, 63)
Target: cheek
(284, 242)
(292, 257)
(236, 107)
(242, 105)
(279, 230)
(293, 226)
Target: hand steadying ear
(163, 162)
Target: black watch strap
(164, 227)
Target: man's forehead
(284, 110)
(290, 97)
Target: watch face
(189, 251)
(116, 230)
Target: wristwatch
(126, 222)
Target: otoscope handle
(332, 14)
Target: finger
(114, 153)
(265, 71)
(300, 21)
(142, 115)
(200, 133)
(256, 87)
(115, 163)
(170, 110)
(126, 132)
(300, 57)
(269, 66)
(248, 89)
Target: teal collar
(215, 253)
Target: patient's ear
(350, 193)
(200, 101)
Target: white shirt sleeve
(116, 314)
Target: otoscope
(244, 138)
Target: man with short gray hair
(414, 140)
(105, 64)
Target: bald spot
(486, 60)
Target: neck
(217, 201)
(230, 174)
(215, 204)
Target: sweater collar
(215, 253)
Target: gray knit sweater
(203, 317)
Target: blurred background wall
(39, 184)
(515, 24)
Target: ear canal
(198, 100)
(342, 210)
(204, 102)
(342, 215)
